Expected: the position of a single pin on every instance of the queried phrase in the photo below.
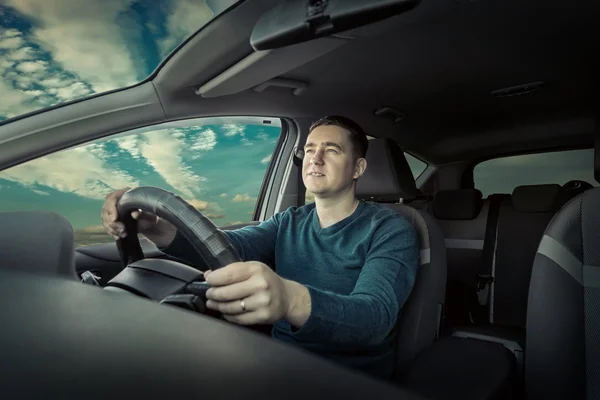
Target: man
(344, 268)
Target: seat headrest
(458, 204)
(388, 176)
(37, 241)
(537, 198)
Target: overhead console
(296, 32)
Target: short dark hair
(358, 137)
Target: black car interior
(506, 301)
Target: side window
(416, 166)
(502, 175)
(216, 164)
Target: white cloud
(242, 197)
(163, 153)
(200, 205)
(34, 93)
(14, 101)
(92, 177)
(206, 140)
(55, 82)
(130, 144)
(223, 194)
(233, 129)
(41, 193)
(186, 17)
(10, 39)
(72, 91)
(265, 160)
(23, 53)
(262, 135)
(11, 43)
(29, 67)
(11, 33)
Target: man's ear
(359, 168)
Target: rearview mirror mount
(296, 21)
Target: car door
(219, 165)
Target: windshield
(54, 51)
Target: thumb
(136, 214)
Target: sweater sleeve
(369, 313)
(253, 243)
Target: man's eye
(333, 150)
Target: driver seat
(388, 180)
(435, 367)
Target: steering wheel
(162, 280)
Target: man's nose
(317, 157)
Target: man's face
(329, 168)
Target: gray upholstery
(37, 241)
(421, 316)
(521, 225)
(388, 178)
(563, 316)
(459, 204)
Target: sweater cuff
(324, 310)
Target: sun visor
(261, 69)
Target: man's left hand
(265, 295)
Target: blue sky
(61, 50)
(217, 165)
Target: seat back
(389, 180)
(563, 318)
(462, 216)
(37, 241)
(521, 223)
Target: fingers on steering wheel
(229, 307)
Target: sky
(217, 165)
(502, 175)
(52, 51)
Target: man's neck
(332, 210)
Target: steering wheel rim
(214, 247)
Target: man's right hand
(110, 217)
(157, 230)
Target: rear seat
(470, 363)
(522, 219)
(461, 214)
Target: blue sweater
(359, 273)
